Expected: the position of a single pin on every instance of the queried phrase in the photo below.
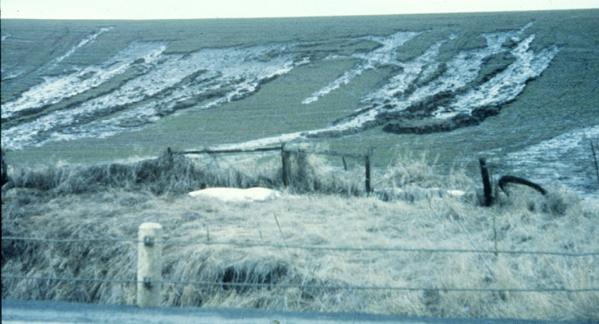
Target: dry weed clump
(408, 170)
(413, 178)
(310, 173)
(554, 204)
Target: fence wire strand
(305, 286)
(70, 279)
(378, 249)
(310, 247)
(225, 285)
(70, 240)
(364, 287)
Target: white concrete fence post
(149, 265)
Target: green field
(562, 100)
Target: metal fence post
(149, 265)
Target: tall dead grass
(177, 174)
(56, 204)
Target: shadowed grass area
(110, 201)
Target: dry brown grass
(526, 221)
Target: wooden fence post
(4, 170)
(285, 166)
(367, 175)
(595, 159)
(487, 190)
(149, 265)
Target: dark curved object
(511, 179)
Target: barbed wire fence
(149, 279)
(246, 244)
(151, 286)
(365, 158)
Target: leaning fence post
(149, 265)
(595, 159)
(487, 190)
(367, 175)
(285, 166)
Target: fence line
(268, 149)
(310, 247)
(329, 152)
(150, 245)
(68, 240)
(302, 286)
(285, 163)
(229, 151)
(461, 163)
(379, 249)
(365, 287)
(71, 279)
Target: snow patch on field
(237, 194)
